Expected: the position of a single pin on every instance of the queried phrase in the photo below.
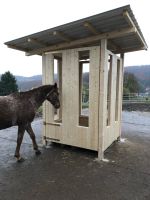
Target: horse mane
(31, 92)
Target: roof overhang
(119, 26)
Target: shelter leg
(118, 139)
(32, 136)
(21, 130)
(100, 155)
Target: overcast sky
(19, 18)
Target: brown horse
(18, 109)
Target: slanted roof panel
(102, 25)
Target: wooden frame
(83, 120)
(97, 135)
(84, 41)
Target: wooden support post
(44, 105)
(48, 66)
(102, 97)
(121, 91)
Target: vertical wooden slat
(70, 97)
(102, 97)
(112, 92)
(44, 104)
(121, 91)
(49, 80)
(94, 96)
(112, 135)
(97, 136)
(48, 70)
(117, 89)
(109, 89)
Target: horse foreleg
(32, 136)
(21, 130)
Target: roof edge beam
(128, 19)
(16, 48)
(131, 24)
(83, 41)
(141, 40)
(127, 50)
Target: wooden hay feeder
(96, 45)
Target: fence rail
(127, 98)
(136, 98)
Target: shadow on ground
(67, 173)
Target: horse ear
(55, 85)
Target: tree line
(8, 84)
(131, 84)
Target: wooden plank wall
(69, 131)
(98, 136)
(102, 98)
(113, 130)
(70, 96)
(73, 134)
(53, 131)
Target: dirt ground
(66, 173)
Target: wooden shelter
(98, 43)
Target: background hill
(142, 73)
(26, 83)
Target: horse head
(53, 96)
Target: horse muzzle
(57, 106)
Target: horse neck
(39, 95)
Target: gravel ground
(136, 107)
(67, 173)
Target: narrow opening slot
(84, 69)
(117, 90)
(58, 80)
(109, 89)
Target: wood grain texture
(97, 135)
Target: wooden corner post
(47, 78)
(102, 97)
(121, 91)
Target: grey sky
(22, 17)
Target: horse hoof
(38, 152)
(20, 160)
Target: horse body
(18, 109)
(15, 110)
